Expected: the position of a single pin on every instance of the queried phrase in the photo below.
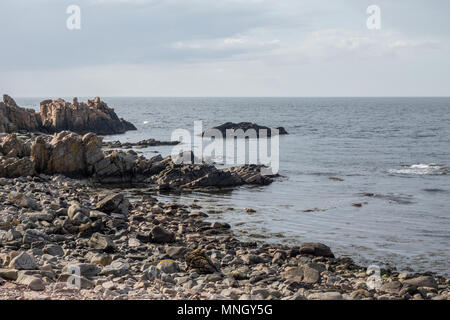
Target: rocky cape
(58, 115)
(78, 156)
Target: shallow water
(392, 155)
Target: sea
(369, 177)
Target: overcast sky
(225, 48)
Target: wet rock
(423, 281)
(316, 249)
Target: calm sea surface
(397, 149)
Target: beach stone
(32, 282)
(23, 200)
(54, 250)
(311, 273)
(23, 261)
(293, 274)
(101, 259)
(168, 266)
(175, 252)
(9, 274)
(316, 249)
(116, 268)
(161, 235)
(393, 287)
(325, 296)
(33, 235)
(199, 261)
(423, 281)
(101, 242)
(114, 203)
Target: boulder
(23, 261)
(160, 235)
(67, 153)
(422, 281)
(14, 147)
(114, 203)
(316, 249)
(101, 242)
(198, 261)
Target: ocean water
(389, 154)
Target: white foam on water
(420, 169)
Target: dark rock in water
(247, 127)
(316, 249)
(141, 144)
(59, 115)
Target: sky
(310, 48)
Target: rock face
(92, 116)
(67, 153)
(14, 118)
(243, 126)
(58, 115)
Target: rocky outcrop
(14, 118)
(141, 144)
(67, 153)
(74, 155)
(58, 115)
(92, 116)
(245, 126)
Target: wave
(422, 169)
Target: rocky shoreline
(62, 223)
(148, 249)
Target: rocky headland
(59, 115)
